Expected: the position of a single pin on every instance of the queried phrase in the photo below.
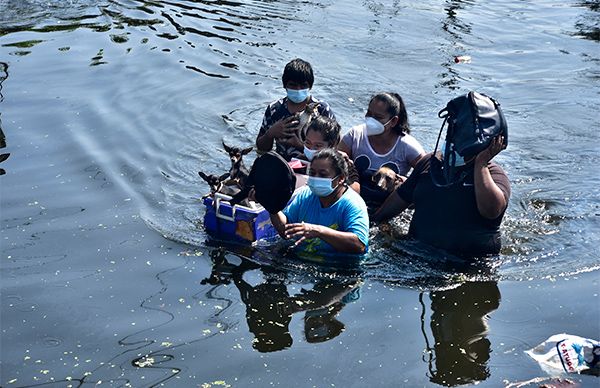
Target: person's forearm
(279, 220)
(345, 242)
(490, 199)
(265, 142)
(391, 207)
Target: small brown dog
(387, 180)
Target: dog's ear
(203, 175)
(226, 147)
(246, 151)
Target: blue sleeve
(292, 210)
(357, 219)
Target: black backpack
(474, 119)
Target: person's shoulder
(357, 130)
(303, 193)
(424, 162)
(411, 141)
(324, 108)
(354, 199)
(277, 104)
(497, 170)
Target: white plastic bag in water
(566, 353)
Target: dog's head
(214, 181)
(236, 153)
(386, 179)
(308, 113)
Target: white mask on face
(374, 127)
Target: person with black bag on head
(459, 195)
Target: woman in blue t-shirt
(326, 216)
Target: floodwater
(110, 108)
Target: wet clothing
(278, 110)
(447, 217)
(367, 161)
(347, 214)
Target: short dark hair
(336, 159)
(298, 70)
(328, 127)
(396, 107)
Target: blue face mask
(310, 154)
(297, 96)
(321, 187)
(458, 161)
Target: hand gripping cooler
(237, 222)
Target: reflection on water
(113, 106)
(3, 77)
(270, 306)
(459, 325)
(588, 25)
(456, 29)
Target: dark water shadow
(455, 29)
(588, 24)
(457, 347)
(3, 77)
(270, 305)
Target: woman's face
(379, 111)
(314, 141)
(322, 168)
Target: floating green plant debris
(25, 44)
(122, 38)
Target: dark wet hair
(328, 127)
(396, 107)
(336, 159)
(298, 70)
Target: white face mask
(321, 187)
(374, 127)
(310, 154)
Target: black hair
(328, 127)
(396, 107)
(336, 159)
(298, 70)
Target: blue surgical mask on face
(459, 160)
(297, 96)
(310, 154)
(321, 187)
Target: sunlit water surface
(110, 108)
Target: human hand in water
(302, 231)
(498, 144)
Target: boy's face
(295, 85)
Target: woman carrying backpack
(460, 195)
